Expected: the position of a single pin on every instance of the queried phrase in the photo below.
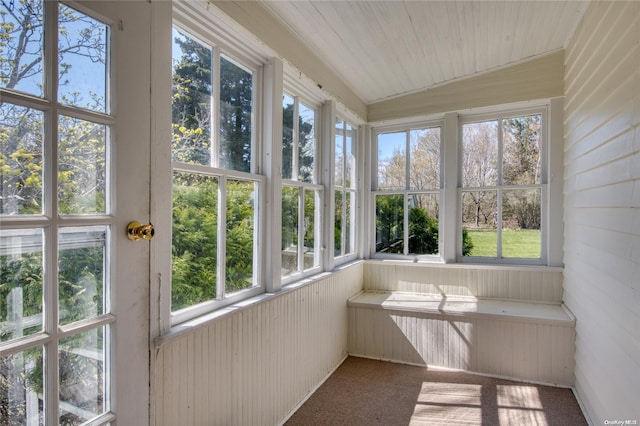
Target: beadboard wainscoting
(501, 321)
(521, 283)
(257, 361)
(254, 364)
(533, 342)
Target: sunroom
(207, 206)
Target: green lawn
(522, 243)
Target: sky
(84, 74)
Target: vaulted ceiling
(385, 49)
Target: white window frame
(343, 258)
(450, 229)
(500, 187)
(300, 94)
(50, 223)
(228, 43)
(375, 191)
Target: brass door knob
(137, 231)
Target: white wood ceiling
(383, 49)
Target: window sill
(467, 265)
(205, 320)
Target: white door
(74, 171)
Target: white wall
(252, 365)
(519, 283)
(538, 78)
(601, 200)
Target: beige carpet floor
(368, 392)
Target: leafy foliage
(81, 177)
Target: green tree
(81, 179)
(21, 148)
(194, 248)
(235, 116)
(423, 232)
(306, 142)
(390, 224)
(191, 102)
(479, 169)
(522, 167)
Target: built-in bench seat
(529, 341)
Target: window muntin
(501, 196)
(407, 200)
(215, 198)
(301, 195)
(345, 190)
(55, 235)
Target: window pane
(338, 224)
(521, 152)
(21, 276)
(350, 158)
(21, 388)
(479, 213)
(21, 50)
(392, 160)
(306, 144)
(390, 224)
(521, 223)
(235, 117)
(339, 158)
(480, 154)
(287, 136)
(82, 377)
(349, 224)
(424, 171)
(191, 100)
(241, 242)
(82, 166)
(423, 223)
(81, 266)
(290, 206)
(309, 251)
(194, 239)
(21, 136)
(82, 60)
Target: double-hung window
(502, 176)
(407, 192)
(345, 189)
(216, 190)
(301, 194)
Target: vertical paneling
(522, 284)
(524, 350)
(255, 365)
(601, 216)
(385, 49)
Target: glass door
(67, 268)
